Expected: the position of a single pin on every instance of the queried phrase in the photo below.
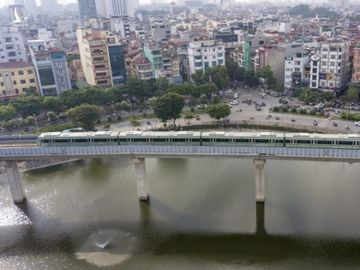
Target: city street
(243, 111)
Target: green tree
(27, 105)
(199, 77)
(52, 103)
(203, 100)
(162, 84)
(7, 112)
(184, 89)
(219, 111)
(168, 106)
(30, 120)
(235, 72)
(267, 74)
(250, 78)
(84, 116)
(219, 76)
(52, 116)
(137, 88)
(353, 93)
(123, 106)
(207, 89)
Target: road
(243, 111)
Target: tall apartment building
(356, 65)
(16, 78)
(12, 48)
(102, 57)
(87, 8)
(110, 8)
(295, 70)
(154, 56)
(205, 54)
(330, 67)
(51, 68)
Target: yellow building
(16, 78)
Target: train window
(195, 140)
(302, 141)
(114, 140)
(345, 142)
(139, 139)
(288, 141)
(278, 141)
(123, 139)
(323, 142)
(223, 140)
(100, 140)
(206, 140)
(80, 140)
(159, 139)
(261, 141)
(62, 141)
(242, 140)
(45, 141)
(179, 140)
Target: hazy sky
(7, 2)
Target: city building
(330, 68)
(51, 68)
(110, 8)
(160, 31)
(154, 56)
(356, 65)
(12, 48)
(295, 71)
(205, 54)
(16, 78)
(87, 8)
(102, 57)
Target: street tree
(168, 106)
(27, 105)
(353, 93)
(162, 84)
(235, 72)
(84, 116)
(30, 120)
(219, 111)
(250, 78)
(52, 103)
(7, 112)
(52, 116)
(219, 76)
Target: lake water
(202, 215)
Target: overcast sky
(7, 2)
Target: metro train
(199, 138)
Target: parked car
(315, 123)
(357, 123)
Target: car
(293, 120)
(357, 123)
(335, 124)
(234, 102)
(315, 123)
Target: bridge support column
(141, 182)
(260, 180)
(14, 179)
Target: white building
(51, 68)
(295, 70)
(330, 69)
(109, 8)
(205, 54)
(12, 48)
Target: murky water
(202, 215)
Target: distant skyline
(9, 2)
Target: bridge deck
(35, 152)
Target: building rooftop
(12, 65)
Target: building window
(30, 71)
(21, 72)
(12, 73)
(23, 81)
(2, 84)
(314, 70)
(14, 82)
(32, 80)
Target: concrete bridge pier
(260, 179)
(14, 179)
(141, 182)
